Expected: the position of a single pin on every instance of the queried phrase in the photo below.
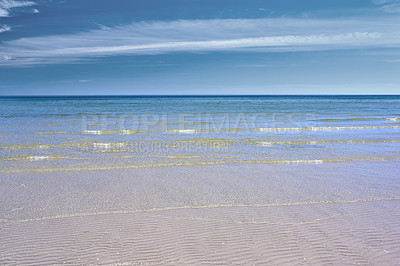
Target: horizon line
(185, 95)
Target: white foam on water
(126, 132)
(92, 132)
(185, 131)
(38, 158)
(102, 145)
(272, 129)
(108, 145)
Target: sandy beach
(225, 214)
(199, 132)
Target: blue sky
(132, 47)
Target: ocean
(64, 133)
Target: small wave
(345, 119)
(184, 131)
(27, 147)
(31, 158)
(272, 129)
(92, 132)
(204, 163)
(319, 142)
(108, 145)
(109, 132)
(51, 132)
(38, 158)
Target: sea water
(283, 178)
(64, 133)
(74, 155)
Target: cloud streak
(271, 35)
(4, 28)
(388, 6)
(392, 8)
(211, 45)
(6, 6)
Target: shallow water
(57, 133)
(63, 159)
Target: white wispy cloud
(3, 12)
(392, 8)
(6, 6)
(4, 28)
(392, 60)
(103, 27)
(273, 35)
(380, 2)
(210, 45)
(388, 6)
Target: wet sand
(217, 214)
(320, 233)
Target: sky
(196, 47)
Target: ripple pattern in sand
(358, 232)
